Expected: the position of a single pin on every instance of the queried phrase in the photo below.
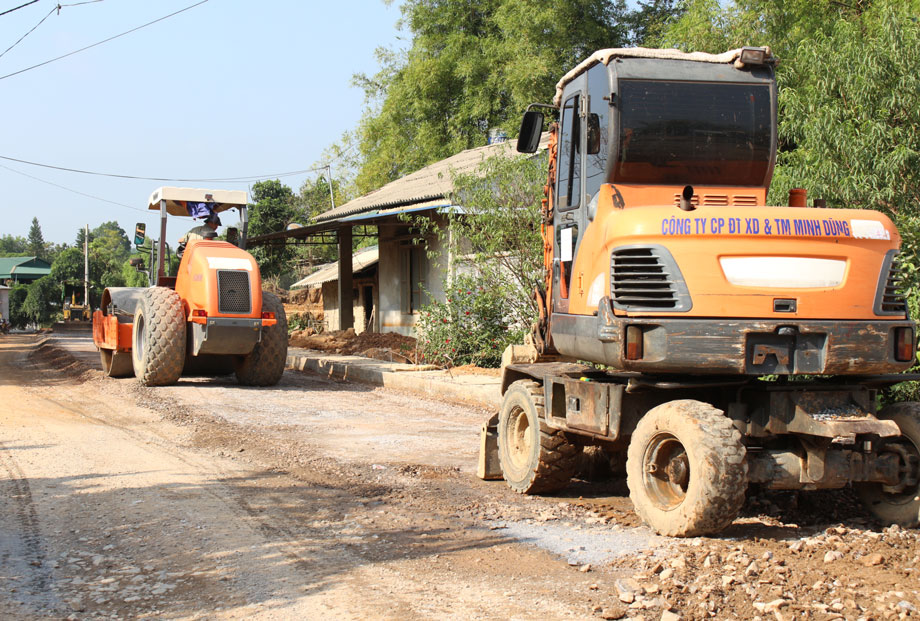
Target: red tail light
(267, 315)
(904, 344)
(633, 343)
(199, 312)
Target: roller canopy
(177, 199)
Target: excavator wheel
(898, 504)
(158, 343)
(686, 469)
(265, 364)
(534, 457)
(116, 363)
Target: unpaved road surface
(319, 499)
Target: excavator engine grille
(647, 278)
(233, 292)
(890, 299)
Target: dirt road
(319, 499)
(209, 500)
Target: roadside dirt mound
(383, 346)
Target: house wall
(331, 304)
(5, 303)
(393, 243)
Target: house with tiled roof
(405, 275)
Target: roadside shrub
(471, 327)
(18, 318)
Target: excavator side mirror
(140, 233)
(136, 262)
(531, 128)
(233, 235)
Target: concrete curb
(478, 390)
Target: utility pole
(328, 168)
(86, 268)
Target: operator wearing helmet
(208, 230)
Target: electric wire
(83, 49)
(142, 178)
(30, 31)
(21, 6)
(55, 8)
(64, 187)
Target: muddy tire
(265, 364)
(116, 363)
(898, 504)
(534, 458)
(686, 469)
(158, 340)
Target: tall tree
(36, 243)
(473, 66)
(272, 209)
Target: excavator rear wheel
(264, 365)
(686, 469)
(158, 340)
(898, 504)
(534, 457)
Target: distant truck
(210, 317)
(74, 307)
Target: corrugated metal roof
(360, 260)
(23, 266)
(432, 182)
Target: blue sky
(226, 89)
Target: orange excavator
(211, 317)
(706, 339)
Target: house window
(413, 284)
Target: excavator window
(698, 133)
(570, 156)
(597, 123)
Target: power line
(64, 187)
(30, 31)
(203, 180)
(83, 49)
(21, 6)
(55, 8)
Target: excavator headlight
(903, 344)
(754, 55)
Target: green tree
(852, 111)
(13, 246)
(649, 21)
(18, 294)
(36, 243)
(472, 66)
(496, 237)
(272, 209)
(81, 237)
(42, 301)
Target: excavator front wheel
(158, 341)
(900, 503)
(265, 363)
(534, 457)
(686, 469)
